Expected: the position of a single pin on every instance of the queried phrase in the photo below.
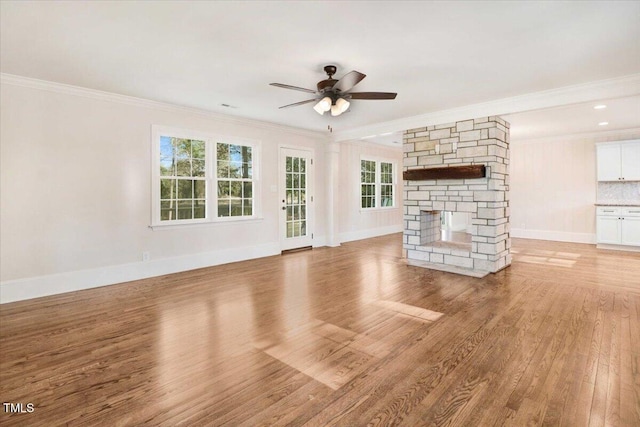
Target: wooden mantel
(449, 172)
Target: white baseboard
(618, 247)
(557, 236)
(35, 287)
(370, 232)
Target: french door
(296, 200)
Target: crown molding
(602, 136)
(28, 82)
(593, 91)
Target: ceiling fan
(333, 95)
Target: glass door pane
(296, 200)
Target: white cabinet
(619, 161)
(608, 229)
(618, 225)
(609, 166)
(630, 229)
(630, 153)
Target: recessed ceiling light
(600, 107)
(603, 123)
(386, 133)
(367, 137)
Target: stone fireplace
(445, 150)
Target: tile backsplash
(619, 191)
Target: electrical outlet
(146, 256)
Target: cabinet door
(608, 229)
(609, 162)
(630, 152)
(630, 231)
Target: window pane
(303, 165)
(236, 189)
(289, 213)
(166, 147)
(167, 189)
(247, 192)
(303, 181)
(223, 189)
(185, 189)
(289, 180)
(185, 209)
(236, 207)
(246, 154)
(199, 208)
(167, 167)
(303, 212)
(183, 148)
(289, 197)
(246, 170)
(200, 189)
(235, 153)
(168, 210)
(235, 169)
(248, 207)
(184, 167)
(223, 169)
(296, 161)
(223, 207)
(198, 167)
(296, 181)
(197, 149)
(222, 151)
(289, 164)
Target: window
(200, 178)
(377, 185)
(235, 184)
(182, 179)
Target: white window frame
(378, 183)
(211, 215)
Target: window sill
(385, 208)
(217, 221)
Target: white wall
(75, 186)
(354, 223)
(553, 187)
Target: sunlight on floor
(552, 258)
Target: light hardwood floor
(347, 336)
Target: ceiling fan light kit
(340, 107)
(332, 95)
(323, 105)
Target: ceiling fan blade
(348, 81)
(299, 103)
(301, 89)
(372, 95)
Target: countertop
(623, 203)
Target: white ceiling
(582, 118)
(436, 55)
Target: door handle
(284, 208)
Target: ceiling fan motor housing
(326, 85)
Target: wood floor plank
(344, 336)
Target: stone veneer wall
(479, 141)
